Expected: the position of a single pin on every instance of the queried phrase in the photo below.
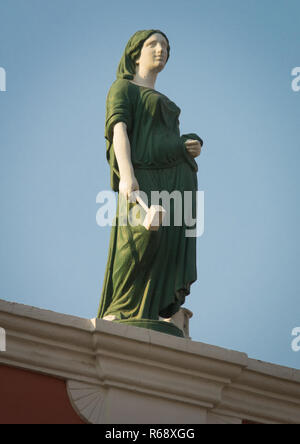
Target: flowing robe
(149, 273)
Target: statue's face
(154, 53)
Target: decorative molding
(121, 374)
(87, 400)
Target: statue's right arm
(128, 182)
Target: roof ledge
(109, 367)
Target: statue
(148, 273)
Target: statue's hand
(193, 147)
(127, 185)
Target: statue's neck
(145, 78)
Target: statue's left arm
(193, 144)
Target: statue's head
(154, 52)
(149, 47)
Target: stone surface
(118, 373)
(182, 320)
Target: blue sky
(230, 73)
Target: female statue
(148, 273)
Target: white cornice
(97, 357)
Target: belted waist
(158, 167)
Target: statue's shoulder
(122, 87)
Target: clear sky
(230, 73)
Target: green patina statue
(148, 273)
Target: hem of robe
(167, 312)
